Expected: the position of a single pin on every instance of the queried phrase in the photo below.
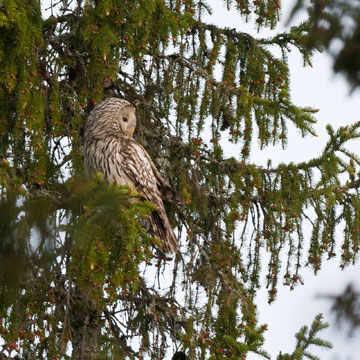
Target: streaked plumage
(110, 149)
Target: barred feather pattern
(109, 148)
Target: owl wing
(138, 166)
(140, 169)
(167, 192)
(143, 163)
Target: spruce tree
(81, 276)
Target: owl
(109, 148)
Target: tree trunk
(86, 327)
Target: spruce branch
(307, 337)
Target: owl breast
(105, 156)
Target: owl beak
(132, 132)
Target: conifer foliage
(336, 19)
(81, 276)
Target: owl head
(111, 117)
(127, 120)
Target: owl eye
(125, 119)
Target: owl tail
(164, 231)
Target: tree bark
(86, 327)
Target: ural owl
(110, 149)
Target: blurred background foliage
(336, 27)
